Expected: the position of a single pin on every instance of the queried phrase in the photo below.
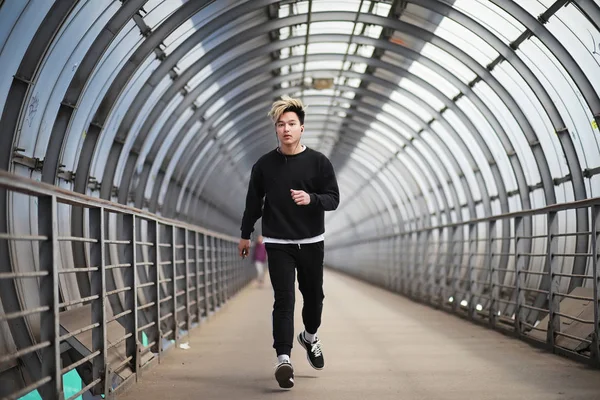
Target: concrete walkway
(377, 345)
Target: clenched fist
(300, 197)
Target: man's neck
(292, 150)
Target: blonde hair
(287, 104)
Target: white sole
(307, 357)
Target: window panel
(491, 139)
(473, 147)
(512, 129)
(424, 94)
(454, 33)
(567, 97)
(382, 9)
(459, 156)
(316, 65)
(535, 113)
(433, 142)
(331, 27)
(411, 105)
(321, 48)
(434, 78)
(366, 51)
(449, 62)
(580, 38)
(498, 21)
(535, 7)
(374, 31)
(335, 5)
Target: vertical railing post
(130, 296)
(471, 285)
(404, 264)
(207, 299)
(98, 288)
(519, 279)
(173, 256)
(492, 274)
(595, 233)
(552, 267)
(220, 279)
(186, 247)
(215, 277)
(49, 320)
(154, 238)
(456, 257)
(442, 265)
(197, 280)
(423, 257)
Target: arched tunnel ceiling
(431, 111)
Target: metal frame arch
(377, 175)
(352, 135)
(12, 113)
(425, 124)
(178, 84)
(376, 80)
(510, 55)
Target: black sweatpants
(284, 260)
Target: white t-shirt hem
(313, 239)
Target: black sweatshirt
(273, 175)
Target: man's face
(288, 129)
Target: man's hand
(300, 197)
(244, 247)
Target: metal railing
(511, 272)
(148, 281)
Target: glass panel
(335, 5)
(581, 39)
(491, 139)
(452, 32)
(359, 67)
(498, 21)
(473, 147)
(373, 31)
(535, 113)
(434, 78)
(411, 105)
(442, 156)
(316, 65)
(382, 9)
(315, 48)
(331, 27)
(535, 7)
(366, 51)
(440, 166)
(449, 62)
(512, 129)
(159, 10)
(568, 99)
(424, 94)
(460, 157)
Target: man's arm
(254, 200)
(329, 197)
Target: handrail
(32, 187)
(572, 205)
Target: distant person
(260, 257)
(298, 185)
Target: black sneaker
(314, 353)
(284, 373)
